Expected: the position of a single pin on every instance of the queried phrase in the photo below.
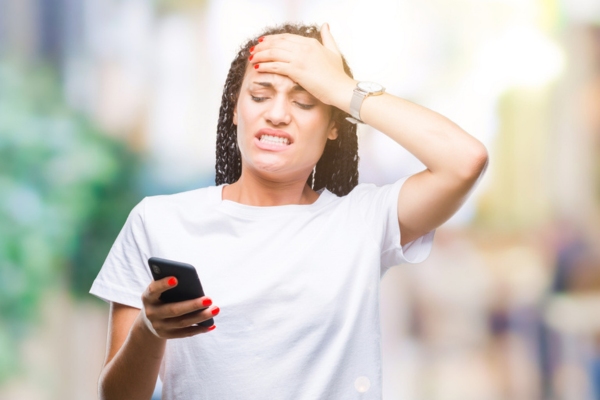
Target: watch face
(370, 87)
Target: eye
(258, 99)
(305, 106)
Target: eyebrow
(296, 88)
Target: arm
(137, 340)
(133, 356)
(454, 160)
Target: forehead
(253, 78)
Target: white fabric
(298, 288)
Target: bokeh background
(103, 102)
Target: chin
(268, 167)
(269, 162)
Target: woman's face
(281, 128)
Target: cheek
(246, 114)
(246, 117)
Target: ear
(333, 131)
(235, 115)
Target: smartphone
(188, 284)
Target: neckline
(234, 208)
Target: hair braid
(337, 169)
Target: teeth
(274, 139)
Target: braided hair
(336, 170)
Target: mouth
(274, 137)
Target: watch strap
(358, 96)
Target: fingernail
(212, 327)
(206, 302)
(172, 282)
(215, 311)
(250, 58)
(260, 39)
(251, 49)
(256, 66)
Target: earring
(314, 174)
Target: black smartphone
(188, 284)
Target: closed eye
(305, 106)
(301, 105)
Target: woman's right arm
(137, 339)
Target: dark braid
(337, 169)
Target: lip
(270, 146)
(274, 132)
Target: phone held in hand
(188, 283)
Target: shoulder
(177, 205)
(371, 191)
(165, 212)
(190, 198)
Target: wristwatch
(360, 93)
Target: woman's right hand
(175, 320)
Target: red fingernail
(215, 311)
(256, 66)
(172, 282)
(212, 327)
(206, 302)
(251, 49)
(250, 58)
(260, 39)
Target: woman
(295, 271)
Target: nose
(279, 111)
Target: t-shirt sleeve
(379, 206)
(125, 275)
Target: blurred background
(103, 102)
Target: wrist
(142, 329)
(361, 92)
(343, 94)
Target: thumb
(328, 40)
(156, 288)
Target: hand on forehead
(316, 67)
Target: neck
(254, 190)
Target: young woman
(287, 244)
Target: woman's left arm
(454, 160)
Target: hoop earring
(313, 178)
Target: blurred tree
(65, 188)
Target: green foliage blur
(65, 191)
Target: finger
(156, 288)
(274, 67)
(192, 318)
(327, 38)
(272, 54)
(187, 332)
(286, 41)
(181, 308)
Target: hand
(316, 67)
(175, 320)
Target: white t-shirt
(297, 285)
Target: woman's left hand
(316, 67)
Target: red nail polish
(215, 311)
(260, 39)
(172, 282)
(251, 49)
(250, 58)
(212, 327)
(206, 302)
(256, 66)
